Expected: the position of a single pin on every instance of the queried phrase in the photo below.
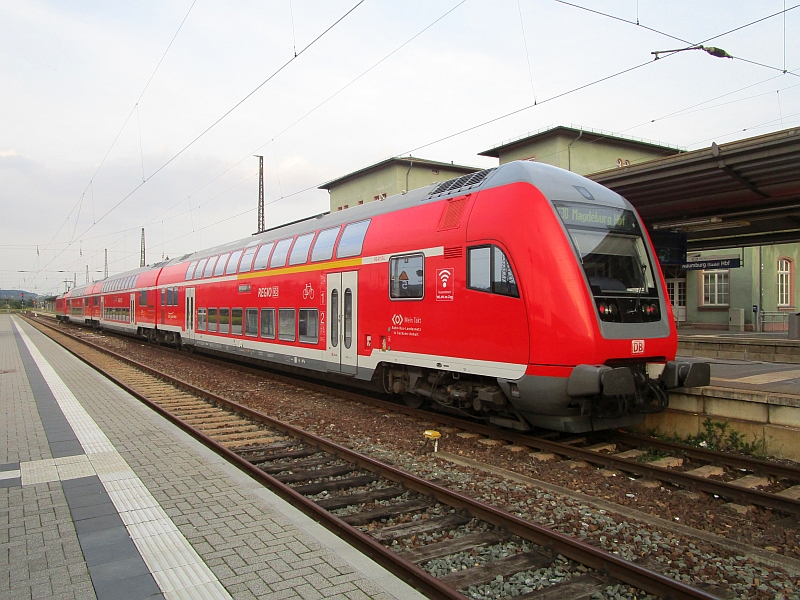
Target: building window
(407, 277)
(784, 283)
(716, 288)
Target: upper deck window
(233, 262)
(190, 269)
(323, 246)
(220, 268)
(279, 256)
(198, 272)
(247, 260)
(262, 257)
(300, 249)
(352, 239)
(209, 270)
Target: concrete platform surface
(102, 498)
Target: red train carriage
(523, 294)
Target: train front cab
(603, 340)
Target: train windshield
(611, 248)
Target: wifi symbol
(445, 275)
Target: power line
(281, 68)
(698, 44)
(135, 107)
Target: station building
(388, 178)
(743, 281)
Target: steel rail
(713, 456)
(586, 554)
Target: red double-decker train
(523, 295)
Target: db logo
(398, 320)
(637, 346)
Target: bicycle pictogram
(308, 292)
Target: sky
(118, 116)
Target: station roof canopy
(407, 161)
(743, 193)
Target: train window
(479, 268)
(233, 262)
(503, 281)
(201, 319)
(323, 247)
(212, 319)
(236, 321)
(489, 270)
(334, 322)
(407, 277)
(279, 256)
(175, 296)
(134, 281)
(300, 249)
(163, 297)
(348, 318)
(262, 258)
(169, 296)
(308, 325)
(190, 270)
(224, 319)
(247, 259)
(286, 326)
(268, 323)
(352, 239)
(251, 322)
(198, 272)
(96, 300)
(142, 298)
(209, 270)
(220, 268)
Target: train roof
(554, 183)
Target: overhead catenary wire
(215, 123)
(130, 114)
(698, 44)
(317, 107)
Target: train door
(133, 309)
(189, 314)
(342, 338)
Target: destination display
(720, 263)
(599, 217)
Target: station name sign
(704, 265)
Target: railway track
(402, 521)
(737, 478)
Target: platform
(102, 498)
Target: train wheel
(413, 400)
